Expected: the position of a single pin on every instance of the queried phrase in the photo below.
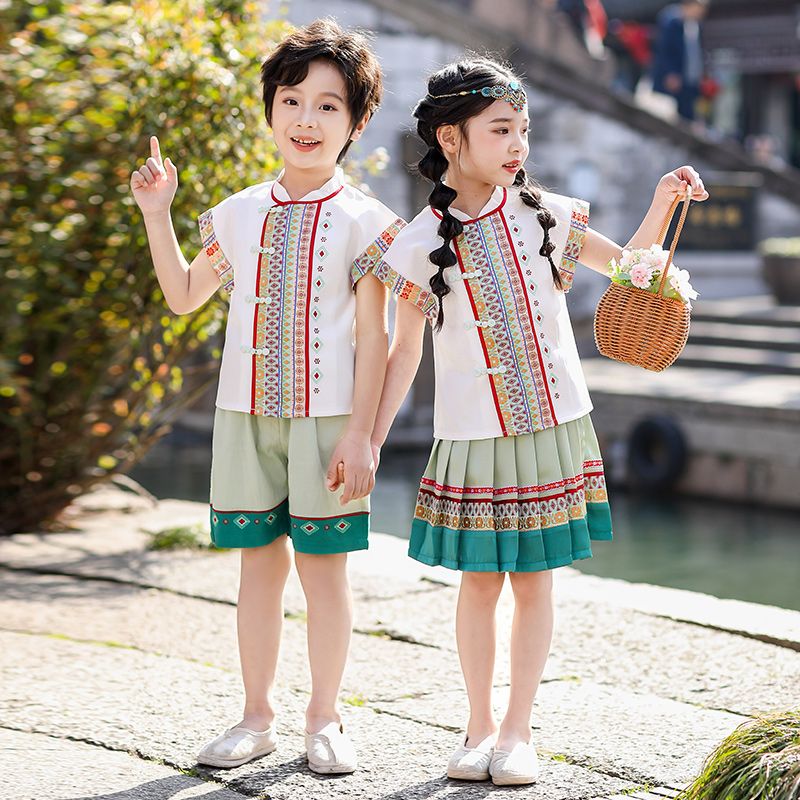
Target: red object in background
(598, 19)
(634, 37)
(709, 88)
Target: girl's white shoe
(471, 763)
(330, 751)
(237, 746)
(518, 766)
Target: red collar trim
(482, 216)
(301, 202)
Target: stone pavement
(119, 662)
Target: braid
(531, 196)
(433, 167)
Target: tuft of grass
(181, 537)
(355, 700)
(760, 760)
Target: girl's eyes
(503, 131)
(328, 107)
(290, 101)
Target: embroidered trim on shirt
(513, 360)
(524, 508)
(281, 340)
(374, 252)
(575, 239)
(219, 262)
(426, 302)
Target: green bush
(92, 364)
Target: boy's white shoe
(237, 746)
(518, 766)
(330, 751)
(471, 763)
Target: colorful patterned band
(512, 93)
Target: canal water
(726, 550)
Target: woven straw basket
(641, 328)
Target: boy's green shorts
(268, 479)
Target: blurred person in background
(678, 67)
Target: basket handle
(665, 227)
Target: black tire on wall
(657, 454)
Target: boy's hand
(376, 455)
(351, 464)
(674, 184)
(155, 182)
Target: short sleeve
(404, 289)
(373, 252)
(213, 228)
(578, 222)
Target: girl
(514, 483)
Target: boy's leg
(476, 637)
(323, 532)
(259, 616)
(531, 633)
(330, 623)
(250, 510)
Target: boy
(293, 396)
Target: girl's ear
(359, 129)
(448, 137)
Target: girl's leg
(531, 633)
(259, 621)
(330, 623)
(475, 634)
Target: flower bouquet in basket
(643, 269)
(643, 317)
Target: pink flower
(641, 275)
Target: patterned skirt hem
(510, 550)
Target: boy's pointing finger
(155, 149)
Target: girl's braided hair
(431, 113)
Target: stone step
(733, 333)
(761, 310)
(753, 359)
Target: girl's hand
(155, 182)
(674, 184)
(354, 455)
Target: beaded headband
(512, 93)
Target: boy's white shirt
(291, 269)
(517, 369)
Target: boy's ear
(359, 129)
(448, 138)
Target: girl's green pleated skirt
(512, 504)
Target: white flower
(679, 281)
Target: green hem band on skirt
(510, 551)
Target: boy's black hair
(288, 64)
(431, 113)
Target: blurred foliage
(182, 537)
(92, 365)
(785, 248)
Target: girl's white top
(505, 361)
(291, 268)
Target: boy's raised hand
(155, 182)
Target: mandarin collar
(326, 191)
(496, 201)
